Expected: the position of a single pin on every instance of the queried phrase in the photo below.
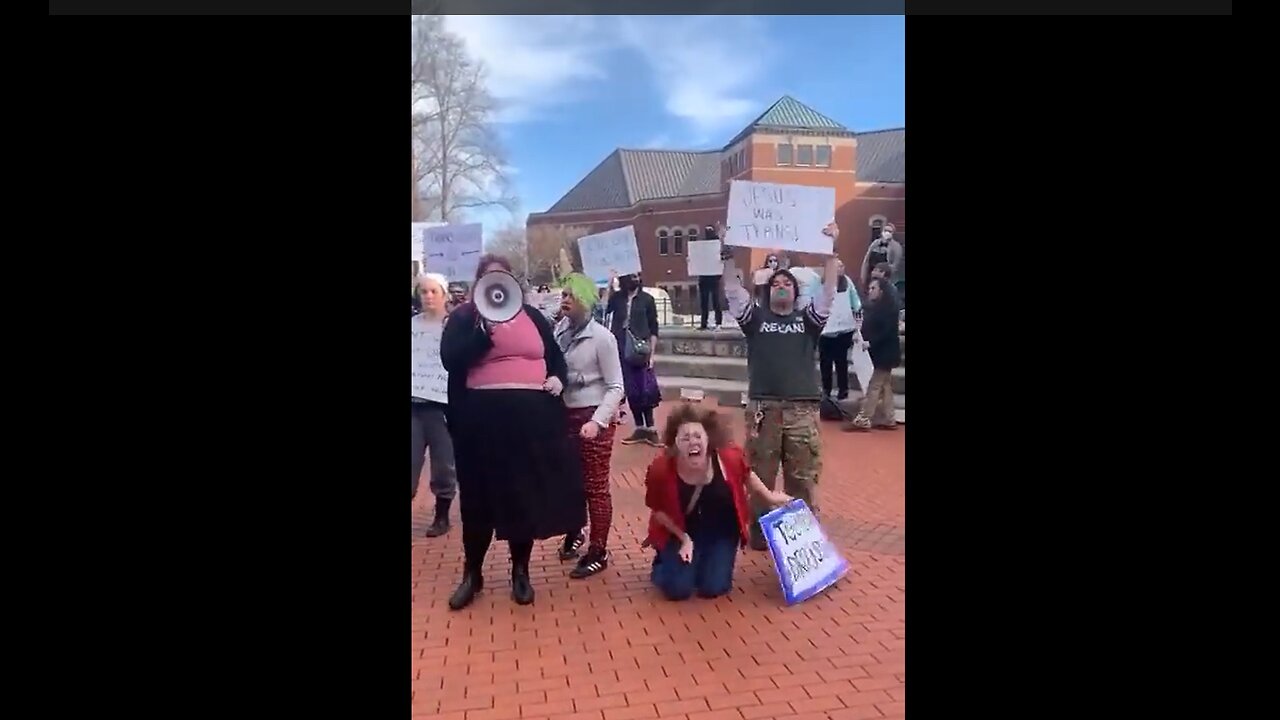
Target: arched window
(677, 237)
(877, 223)
(693, 234)
(662, 241)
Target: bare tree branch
(460, 160)
(544, 245)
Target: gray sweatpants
(430, 431)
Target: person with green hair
(592, 396)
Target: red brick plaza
(610, 648)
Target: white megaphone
(498, 296)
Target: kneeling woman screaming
(698, 492)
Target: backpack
(829, 409)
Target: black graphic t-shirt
(780, 355)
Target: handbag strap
(697, 490)
(693, 501)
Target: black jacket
(464, 342)
(644, 316)
(880, 330)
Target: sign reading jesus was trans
(806, 561)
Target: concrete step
(726, 342)
(735, 368)
(732, 393)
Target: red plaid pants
(595, 455)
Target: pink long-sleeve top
(516, 358)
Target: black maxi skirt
(517, 470)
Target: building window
(692, 234)
(804, 155)
(662, 242)
(677, 236)
(824, 156)
(784, 154)
(877, 227)
(742, 159)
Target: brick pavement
(610, 648)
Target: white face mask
(887, 235)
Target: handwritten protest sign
(417, 232)
(610, 250)
(452, 250)
(430, 381)
(807, 563)
(704, 258)
(780, 217)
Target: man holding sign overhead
(783, 392)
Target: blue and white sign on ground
(806, 561)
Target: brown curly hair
(717, 434)
(489, 259)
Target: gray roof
(788, 112)
(882, 156)
(791, 114)
(627, 177)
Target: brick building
(669, 196)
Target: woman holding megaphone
(518, 476)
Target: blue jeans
(710, 574)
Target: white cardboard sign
(780, 217)
(806, 561)
(614, 250)
(453, 250)
(704, 258)
(417, 231)
(429, 379)
(862, 365)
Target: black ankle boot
(440, 525)
(521, 588)
(471, 585)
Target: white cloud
(704, 67)
(535, 62)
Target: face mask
(781, 293)
(887, 236)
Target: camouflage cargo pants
(781, 432)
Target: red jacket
(662, 492)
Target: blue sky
(574, 88)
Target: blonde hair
(421, 280)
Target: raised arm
(737, 296)
(818, 311)
(608, 291)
